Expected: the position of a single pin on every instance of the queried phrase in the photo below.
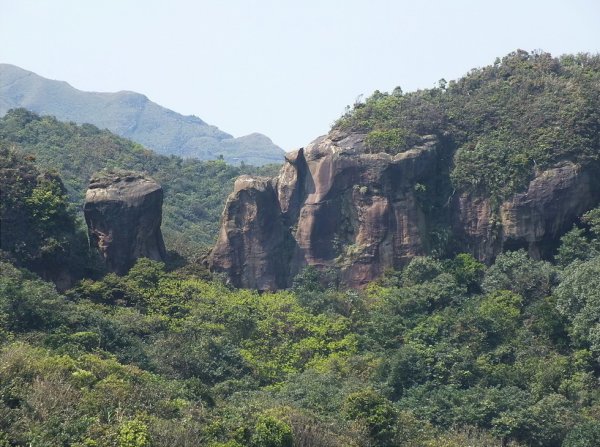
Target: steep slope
(134, 116)
(507, 157)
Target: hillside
(506, 157)
(194, 190)
(133, 116)
(440, 350)
(441, 354)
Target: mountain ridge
(132, 115)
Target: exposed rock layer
(334, 205)
(123, 212)
(533, 219)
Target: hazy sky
(283, 68)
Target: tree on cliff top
(527, 111)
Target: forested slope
(524, 113)
(194, 190)
(445, 352)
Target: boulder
(123, 212)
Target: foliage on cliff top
(524, 113)
(194, 190)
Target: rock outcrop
(251, 245)
(335, 205)
(123, 212)
(534, 219)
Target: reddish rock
(251, 246)
(534, 219)
(334, 205)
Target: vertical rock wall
(335, 205)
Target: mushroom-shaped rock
(123, 212)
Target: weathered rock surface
(534, 219)
(123, 212)
(335, 205)
(332, 205)
(251, 243)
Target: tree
(517, 272)
(578, 299)
(375, 413)
(271, 432)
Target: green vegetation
(195, 191)
(503, 122)
(39, 228)
(443, 353)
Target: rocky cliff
(336, 205)
(123, 212)
(533, 219)
(332, 205)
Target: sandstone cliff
(534, 219)
(335, 205)
(332, 205)
(123, 212)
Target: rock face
(534, 219)
(335, 205)
(123, 212)
(251, 243)
(332, 205)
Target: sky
(284, 68)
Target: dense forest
(446, 352)
(501, 123)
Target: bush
(271, 432)
(133, 433)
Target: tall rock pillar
(123, 212)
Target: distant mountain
(134, 116)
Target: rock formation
(123, 212)
(332, 205)
(335, 205)
(534, 219)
